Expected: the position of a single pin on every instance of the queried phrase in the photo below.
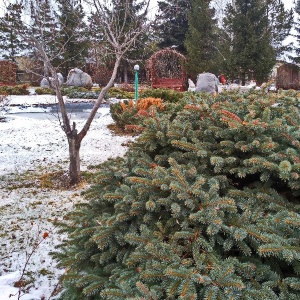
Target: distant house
(8, 72)
(29, 70)
(274, 69)
(288, 77)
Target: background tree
(126, 11)
(10, 28)
(72, 35)
(173, 23)
(250, 38)
(297, 34)
(201, 39)
(44, 27)
(100, 60)
(280, 24)
(144, 46)
(119, 40)
(255, 31)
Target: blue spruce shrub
(205, 205)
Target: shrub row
(21, 89)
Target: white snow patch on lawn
(27, 146)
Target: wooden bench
(177, 84)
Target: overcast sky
(287, 3)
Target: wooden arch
(167, 70)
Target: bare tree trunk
(243, 78)
(74, 147)
(125, 72)
(120, 40)
(74, 137)
(46, 72)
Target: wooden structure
(8, 72)
(166, 69)
(288, 77)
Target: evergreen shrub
(119, 93)
(74, 91)
(83, 95)
(165, 94)
(21, 89)
(205, 205)
(70, 91)
(124, 113)
(130, 113)
(44, 91)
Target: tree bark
(74, 147)
(74, 138)
(125, 72)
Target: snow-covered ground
(33, 144)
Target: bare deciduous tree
(120, 28)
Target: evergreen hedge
(205, 205)
(168, 95)
(21, 89)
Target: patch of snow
(32, 100)
(7, 291)
(27, 109)
(29, 143)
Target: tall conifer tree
(297, 35)
(10, 26)
(201, 39)
(44, 27)
(72, 34)
(251, 52)
(256, 30)
(127, 12)
(280, 24)
(173, 25)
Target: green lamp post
(136, 82)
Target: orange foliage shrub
(134, 128)
(129, 115)
(144, 104)
(127, 106)
(142, 113)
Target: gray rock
(77, 77)
(60, 78)
(44, 83)
(192, 86)
(48, 83)
(207, 82)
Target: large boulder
(44, 83)
(207, 82)
(48, 82)
(77, 77)
(60, 78)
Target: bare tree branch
(120, 31)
